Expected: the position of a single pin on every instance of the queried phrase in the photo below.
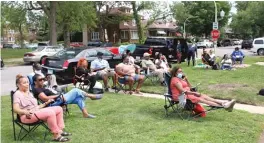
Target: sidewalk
(249, 108)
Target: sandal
(66, 134)
(130, 92)
(138, 92)
(61, 139)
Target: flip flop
(97, 97)
(90, 116)
(61, 139)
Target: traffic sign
(215, 25)
(215, 34)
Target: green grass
(130, 119)
(245, 82)
(13, 53)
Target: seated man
(75, 96)
(180, 85)
(102, 68)
(237, 55)
(128, 71)
(148, 65)
(206, 59)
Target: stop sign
(215, 34)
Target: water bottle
(148, 71)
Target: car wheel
(42, 59)
(261, 52)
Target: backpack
(216, 66)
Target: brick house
(126, 31)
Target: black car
(246, 44)
(63, 63)
(8, 46)
(227, 42)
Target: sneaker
(97, 97)
(230, 105)
(106, 89)
(91, 116)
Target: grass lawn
(130, 119)
(13, 53)
(241, 84)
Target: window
(91, 53)
(134, 34)
(134, 22)
(105, 52)
(124, 34)
(259, 42)
(95, 35)
(9, 38)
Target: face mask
(180, 75)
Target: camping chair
(27, 128)
(184, 108)
(78, 81)
(121, 84)
(154, 79)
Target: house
(8, 36)
(126, 31)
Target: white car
(40, 53)
(258, 46)
(205, 44)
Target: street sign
(215, 25)
(215, 34)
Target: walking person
(192, 51)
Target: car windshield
(68, 54)
(39, 49)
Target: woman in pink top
(181, 85)
(29, 111)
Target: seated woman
(82, 70)
(161, 62)
(226, 63)
(206, 59)
(26, 106)
(75, 96)
(181, 85)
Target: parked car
(62, 64)
(237, 41)
(205, 43)
(227, 42)
(246, 44)
(161, 45)
(258, 46)
(11, 46)
(40, 53)
(31, 46)
(43, 44)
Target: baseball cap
(146, 54)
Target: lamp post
(222, 14)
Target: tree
(49, 8)
(204, 13)
(71, 16)
(248, 22)
(15, 14)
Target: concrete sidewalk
(249, 108)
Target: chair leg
(14, 129)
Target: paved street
(8, 74)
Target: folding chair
(183, 107)
(154, 79)
(121, 84)
(25, 128)
(78, 81)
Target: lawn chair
(154, 79)
(121, 84)
(183, 107)
(78, 81)
(27, 128)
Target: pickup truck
(165, 45)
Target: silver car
(40, 53)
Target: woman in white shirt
(226, 63)
(161, 62)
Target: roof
(163, 25)
(117, 10)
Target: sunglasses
(41, 79)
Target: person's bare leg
(211, 99)
(140, 82)
(130, 84)
(105, 79)
(210, 103)
(85, 113)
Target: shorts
(102, 73)
(123, 80)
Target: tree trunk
(85, 36)
(138, 22)
(21, 36)
(66, 36)
(52, 23)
